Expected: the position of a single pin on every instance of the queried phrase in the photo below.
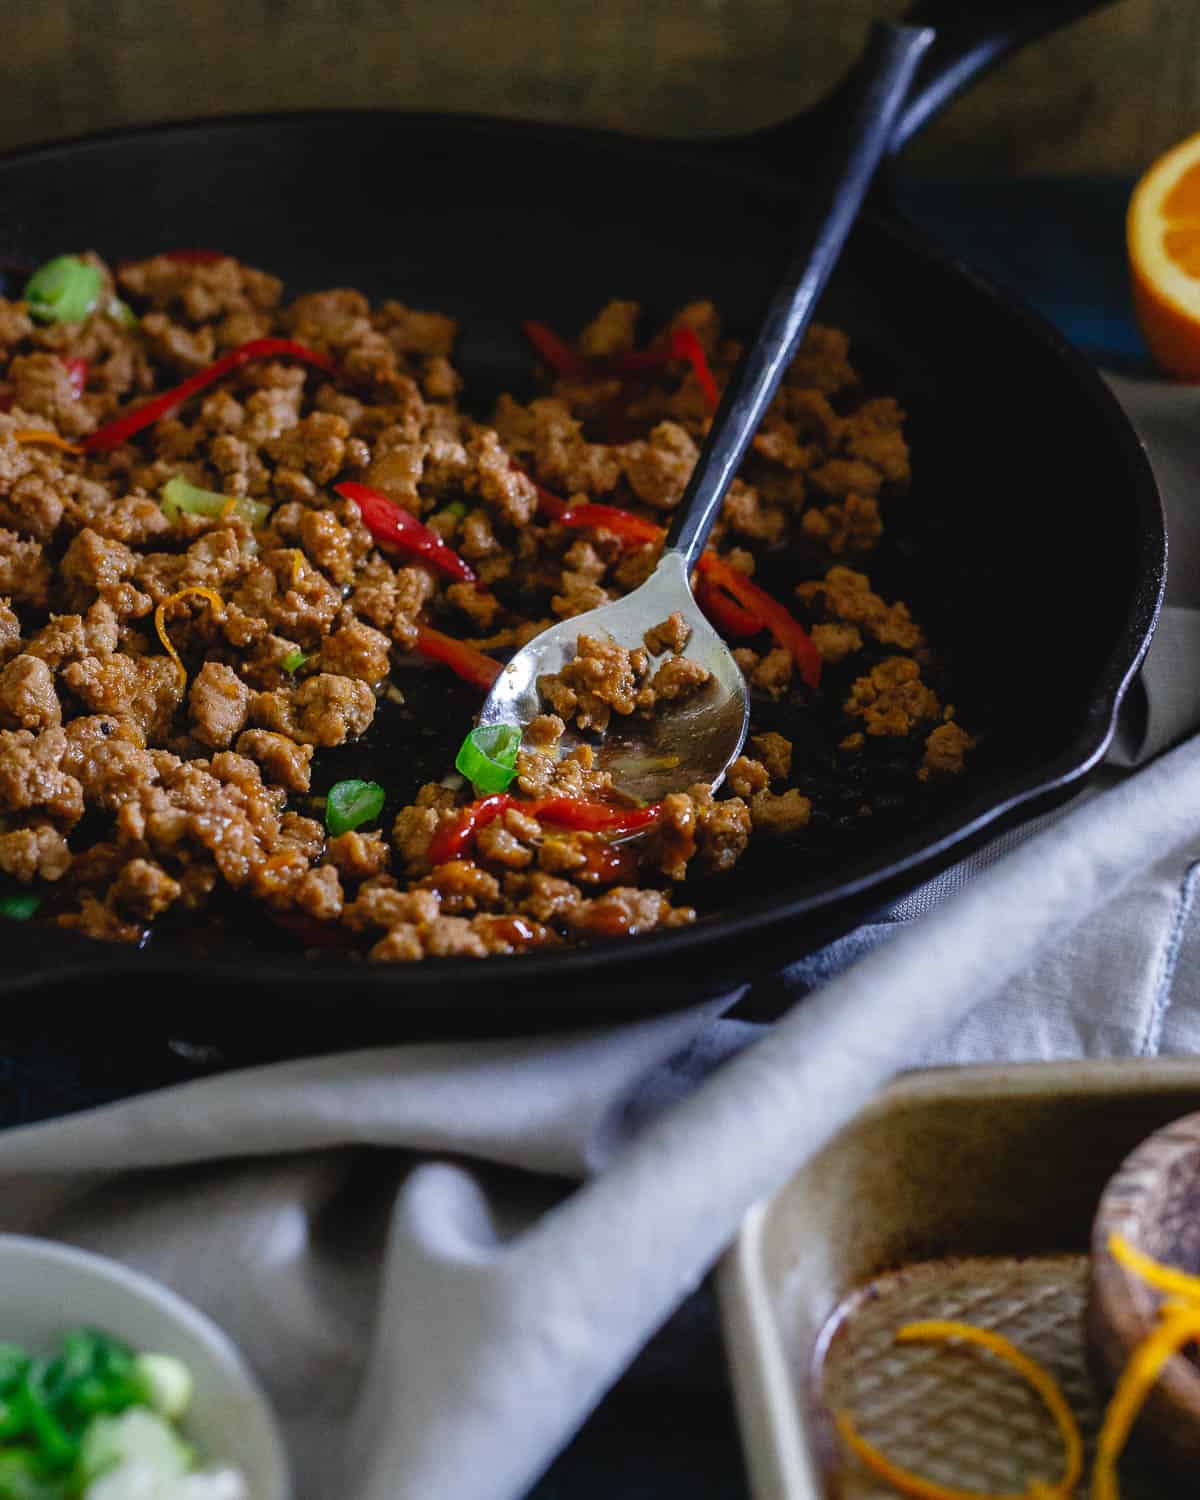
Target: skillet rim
(408, 992)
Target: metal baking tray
(961, 1193)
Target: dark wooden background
(1107, 95)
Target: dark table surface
(667, 1429)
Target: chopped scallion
(350, 803)
(64, 290)
(179, 496)
(122, 313)
(488, 756)
(457, 508)
(293, 661)
(20, 906)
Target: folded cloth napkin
(437, 1329)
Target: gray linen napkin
(432, 1329)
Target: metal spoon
(697, 740)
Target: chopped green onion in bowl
(20, 906)
(350, 803)
(64, 290)
(488, 756)
(293, 661)
(457, 508)
(95, 1421)
(179, 497)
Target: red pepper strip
(568, 812)
(452, 838)
(686, 345)
(77, 374)
(622, 523)
(557, 353)
(471, 665)
(195, 257)
(726, 614)
(592, 817)
(680, 343)
(548, 502)
(113, 434)
(392, 526)
(786, 629)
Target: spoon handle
(847, 166)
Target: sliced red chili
(114, 433)
(786, 629)
(77, 373)
(725, 613)
(471, 665)
(549, 503)
(686, 345)
(555, 352)
(635, 530)
(622, 523)
(593, 817)
(679, 343)
(393, 526)
(451, 839)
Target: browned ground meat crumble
(605, 677)
(130, 791)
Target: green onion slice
(457, 508)
(350, 803)
(64, 290)
(23, 1476)
(293, 661)
(20, 906)
(488, 756)
(37, 1393)
(122, 313)
(179, 496)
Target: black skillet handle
(851, 152)
(972, 37)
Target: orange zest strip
(1040, 1379)
(160, 619)
(44, 435)
(1177, 1329)
(1164, 1278)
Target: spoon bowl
(693, 741)
(696, 740)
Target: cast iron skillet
(1032, 545)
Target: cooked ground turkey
(136, 788)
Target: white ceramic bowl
(46, 1288)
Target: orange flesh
(1182, 244)
(1183, 201)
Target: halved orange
(1162, 232)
